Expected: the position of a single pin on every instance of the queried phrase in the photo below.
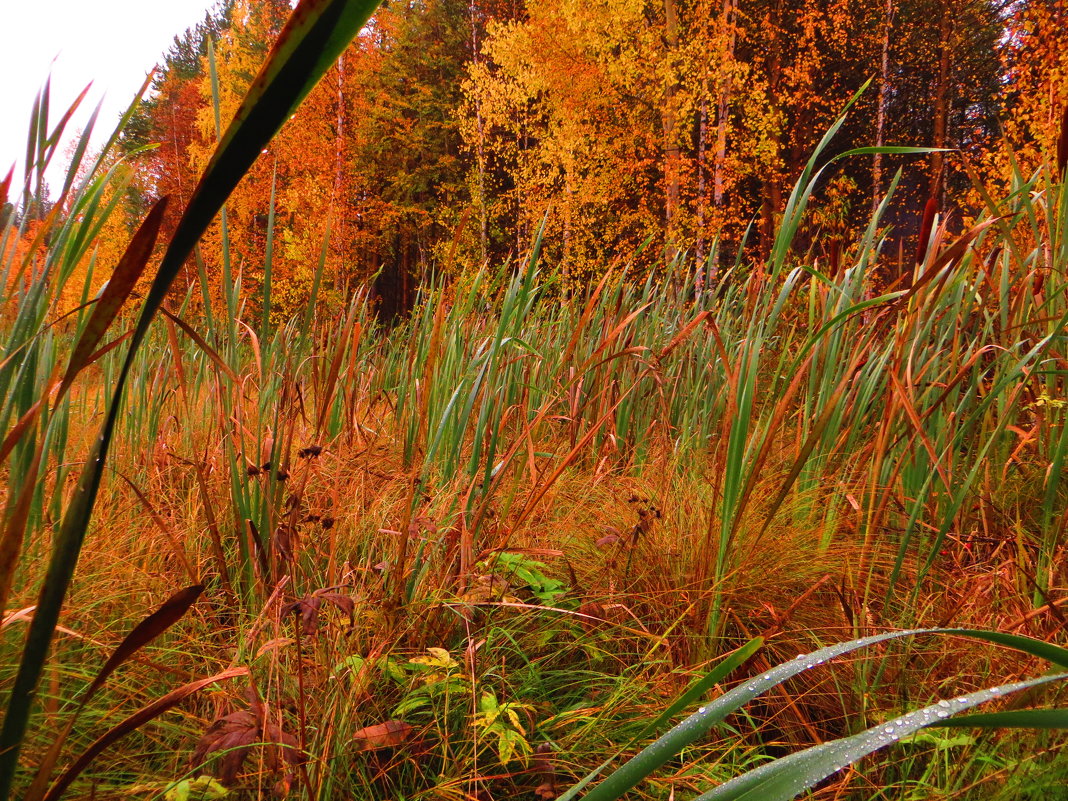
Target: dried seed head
(1062, 143)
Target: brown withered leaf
(310, 605)
(591, 615)
(233, 738)
(482, 589)
(543, 769)
(390, 734)
(283, 541)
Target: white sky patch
(113, 43)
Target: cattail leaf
(315, 35)
(789, 776)
(172, 610)
(697, 725)
(24, 423)
(923, 240)
(201, 343)
(16, 513)
(731, 663)
(1012, 719)
(5, 186)
(132, 723)
(116, 292)
(950, 254)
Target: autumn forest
(448, 131)
(493, 399)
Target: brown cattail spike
(925, 229)
(1062, 143)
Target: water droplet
(995, 691)
(889, 730)
(701, 711)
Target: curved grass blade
(791, 775)
(733, 661)
(5, 186)
(1014, 719)
(133, 722)
(116, 292)
(315, 35)
(130, 267)
(698, 724)
(170, 612)
(201, 343)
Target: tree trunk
(941, 101)
(480, 146)
(880, 114)
(730, 13)
(723, 104)
(772, 203)
(669, 121)
(699, 255)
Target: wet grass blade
(789, 776)
(690, 696)
(698, 724)
(1014, 719)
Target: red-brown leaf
(390, 734)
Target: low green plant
(440, 684)
(520, 571)
(501, 722)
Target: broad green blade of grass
(1011, 719)
(789, 776)
(690, 696)
(315, 35)
(698, 724)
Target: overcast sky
(113, 43)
